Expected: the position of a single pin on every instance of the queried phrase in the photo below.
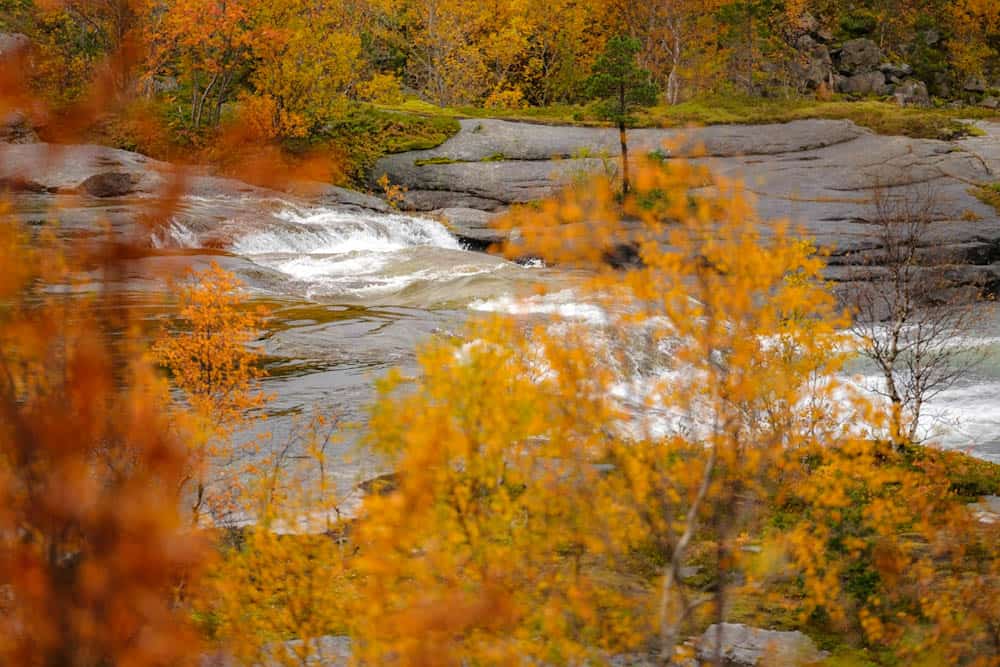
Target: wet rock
(744, 646)
(868, 83)
(18, 184)
(858, 56)
(109, 184)
(15, 128)
(975, 84)
(471, 226)
(912, 94)
(987, 510)
(990, 102)
(324, 193)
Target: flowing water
(353, 293)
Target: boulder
(15, 128)
(817, 68)
(912, 94)
(744, 646)
(930, 37)
(867, 83)
(898, 71)
(991, 102)
(13, 44)
(806, 43)
(975, 84)
(109, 184)
(858, 56)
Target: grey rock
(990, 102)
(912, 94)
(744, 646)
(109, 184)
(858, 56)
(987, 510)
(64, 169)
(326, 651)
(15, 128)
(806, 43)
(898, 71)
(817, 173)
(13, 44)
(930, 37)
(867, 83)
(818, 67)
(471, 226)
(975, 84)
(430, 200)
(324, 193)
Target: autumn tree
(505, 442)
(92, 548)
(305, 60)
(911, 318)
(622, 86)
(207, 43)
(211, 361)
(679, 38)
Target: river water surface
(352, 293)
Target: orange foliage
(212, 364)
(92, 549)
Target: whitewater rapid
(349, 256)
(345, 256)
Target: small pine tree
(622, 86)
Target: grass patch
(969, 478)
(988, 194)
(879, 116)
(423, 162)
(365, 134)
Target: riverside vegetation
(565, 492)
(199, 80)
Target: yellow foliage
(212, 364)
(525, 481)
(381, 89)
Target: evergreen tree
(622, 86)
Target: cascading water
(349, 256)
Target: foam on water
(965, 416)
(328, 232)
(330, 253)
(564, 304)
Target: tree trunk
(204, 98)
(623, 138)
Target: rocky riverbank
(818, 173)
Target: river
(352, 293)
